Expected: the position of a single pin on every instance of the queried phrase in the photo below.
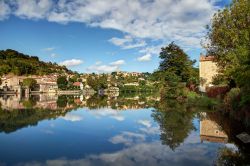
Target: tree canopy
(229, 42)
(175, 60)
(21, 64)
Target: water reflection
(175, 121)
(129, 129)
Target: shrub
(232, 99)
(216, 91)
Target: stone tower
(207, 70)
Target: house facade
(13, 84)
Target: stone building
(208, 69)
(13, 84)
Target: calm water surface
(52, 130)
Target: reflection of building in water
(11, 102)
(211, 131)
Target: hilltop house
(208, 69)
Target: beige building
(208, 69)
(46, 84)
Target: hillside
(18, 63)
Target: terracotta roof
(77, 83)
(207, 58)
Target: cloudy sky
(104, 35)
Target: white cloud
(144, 58)
(53, 55)
(4, 10)
(181, 21)
(36, 9)
(71, 62)
(118, 63)
(127, 42)
(49, 49)
(101, 68)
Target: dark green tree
(30, 83)
(175, 60)
(229, 37)
(62, 82)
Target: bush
(232, 99)
(216, 91)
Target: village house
(78, 84)
(13, 84)
(208, 69)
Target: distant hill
(12, 61)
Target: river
(115, 130)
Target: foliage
(29, 82)
(21, 64)
(97, 81)
(217, 91)
(229, 37)
(29, 103)
(232, 99)
(62, 82)
(176, 61)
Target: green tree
(175, 60)
(62, 82)
(229, 37)
(29, 82)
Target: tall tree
(229, 37)
(175, 60)
(62, 82)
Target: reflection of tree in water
(231, 157)
(97, 101)
(11, 121)
(30, 114)
(175, 122)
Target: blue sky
(104, 36)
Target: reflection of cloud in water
(47, 131)
(148, 129)
(141, 154)
(151, 130)
(127, 138)
(146, 123)
(107, 112)
(72, 117)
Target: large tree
(229, 37)
(175, 60)
(62, 82)
(229, 42)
